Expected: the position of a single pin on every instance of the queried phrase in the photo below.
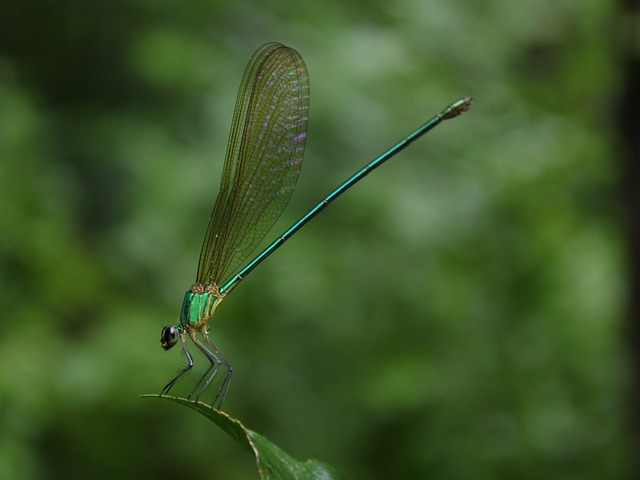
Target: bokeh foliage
(458, 315)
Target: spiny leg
(224, 387)
(169, 385)
(209, 373)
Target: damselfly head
(169, 336)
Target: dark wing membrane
(263, 159)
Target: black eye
(169, 336)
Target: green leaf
(271, 460)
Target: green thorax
(197, 308)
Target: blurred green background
(458, 315)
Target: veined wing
(263, 159)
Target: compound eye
(169, 336)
